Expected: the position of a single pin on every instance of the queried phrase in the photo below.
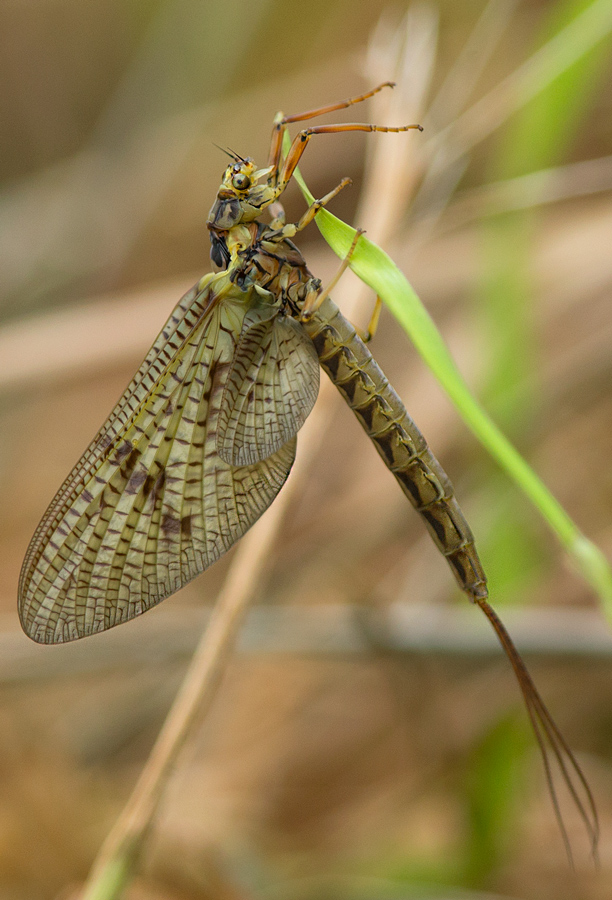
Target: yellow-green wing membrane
(151, 503)
(271, 388)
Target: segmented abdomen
(351, 367)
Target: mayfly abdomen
(350, 365)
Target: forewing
(150, 504)
(271, 388)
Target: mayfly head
(240, 198)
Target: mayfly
(204, 436)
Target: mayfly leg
(288, 231)
(367, 335)
(314, 300)
(300, 142)
(281, 121)
(281, 173)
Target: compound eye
(241, 181)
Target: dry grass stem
(525, 82)
(460, 82)
(448, 150)
(528, 191)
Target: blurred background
(369, 739)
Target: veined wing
(150, 504)
(271, 388)
(188, 311)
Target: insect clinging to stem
(204, 436)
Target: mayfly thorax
(204, 436)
